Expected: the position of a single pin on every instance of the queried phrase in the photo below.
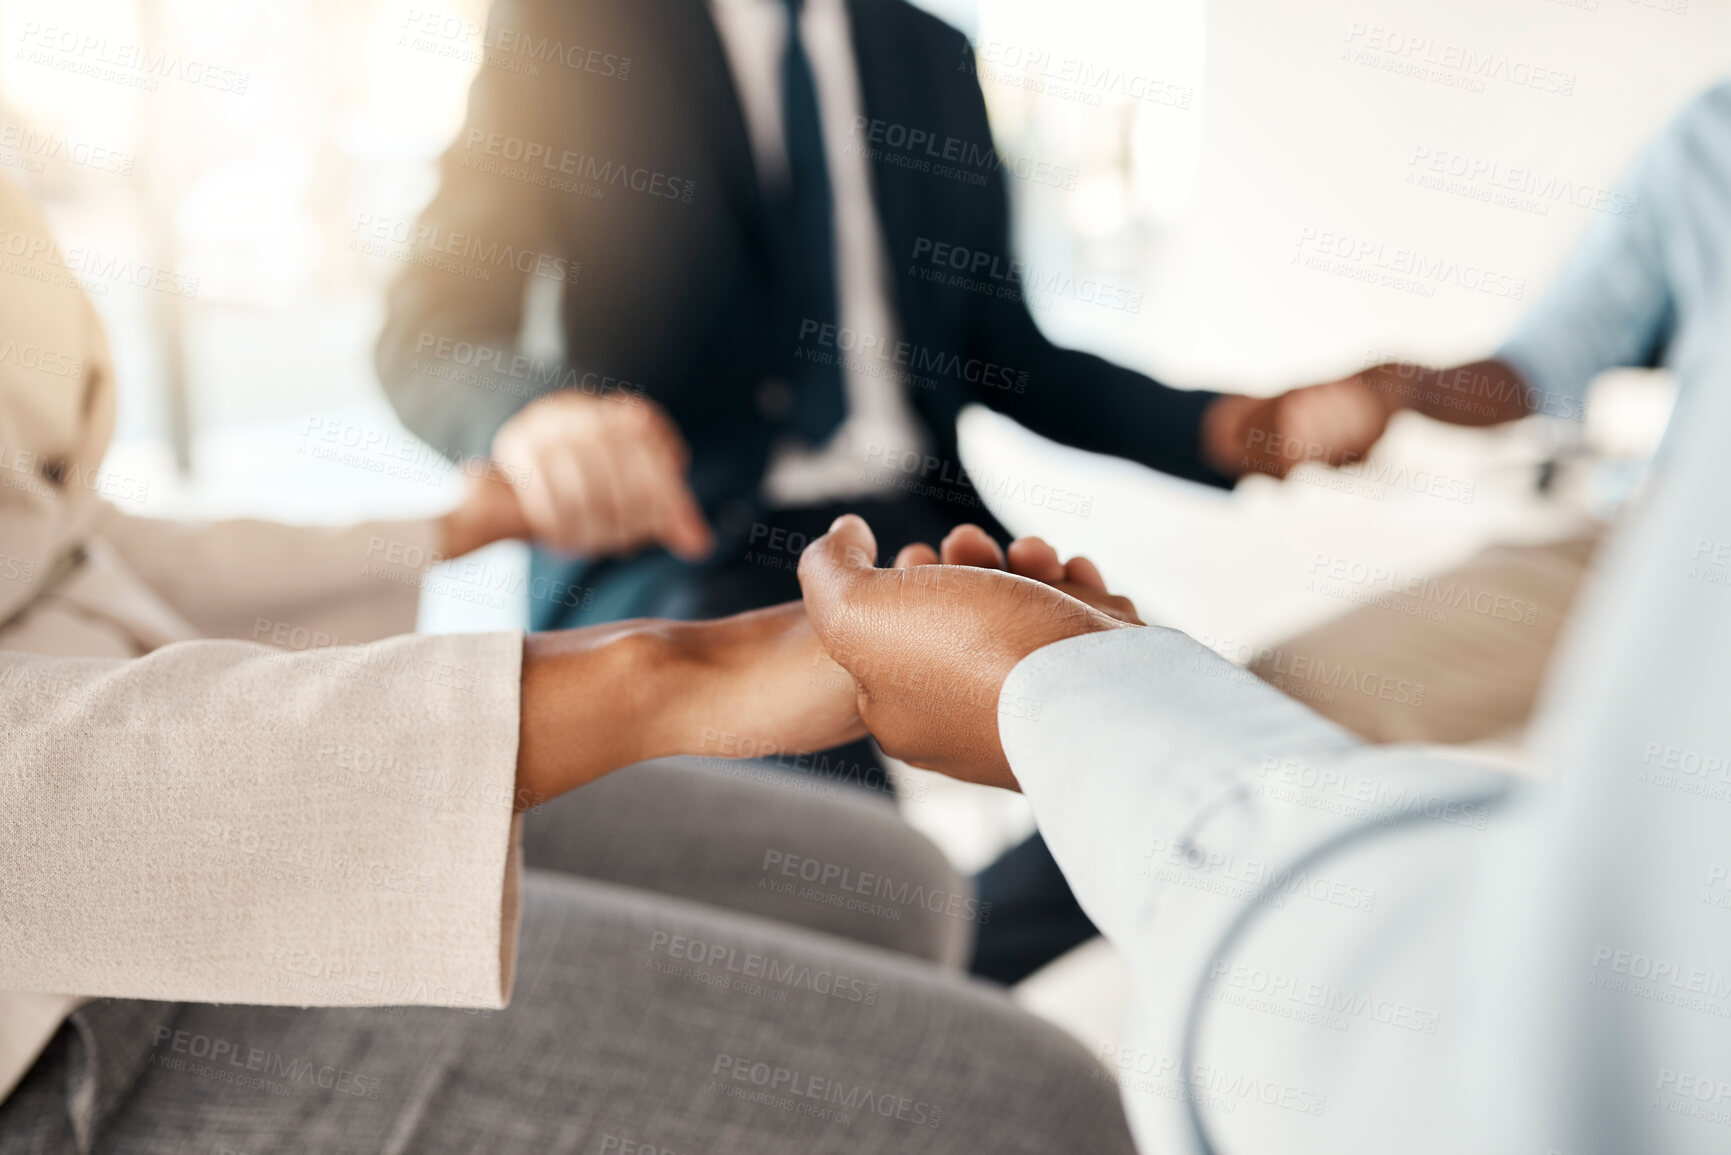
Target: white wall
(1297, 136)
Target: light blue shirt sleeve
(1125, 743)
(1614, 304)
(1151, 762)
(1182, 796)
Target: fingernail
(836, 524)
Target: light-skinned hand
(602, 476)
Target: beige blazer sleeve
(295, 586)
(219, 821)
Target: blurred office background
(1236, 177)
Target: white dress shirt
(754, 35)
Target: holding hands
(917, 653)
(930, 640)
(1339, 422)
(1334, 423)
(602, 476)
(586, 476)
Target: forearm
(595, 700)
(264, 581)
(1089, 403)
(448, 356)
(1478, 393)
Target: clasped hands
(915, 652)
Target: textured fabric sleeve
(1152, 763)
(1183, 797)
(256, 579)
(223, 822)
(1128, 742)
(457, 401)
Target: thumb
(833, 567)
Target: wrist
(1221, 434)
(595, 700)
(678, 664)
(457, 534)
(1400, 385)
(713, 679)
(489, 512)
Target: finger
(1033, 558)
(535, 499)
(662, 507)
(1257, 440)
(844, 592)
(916, 553)
(1300, 419)
(836, 563)
(1280, 447)
(970, 545)
(1111, 605)
(569, 525)
(683, 529)
(1123, 609)
(608, 506)
(1370, 419)
(1083, 572)
(640, 475)
(659, 504)
(1332, 422)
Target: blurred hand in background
(1335, 423)
(602, 476)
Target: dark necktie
(808, 267)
